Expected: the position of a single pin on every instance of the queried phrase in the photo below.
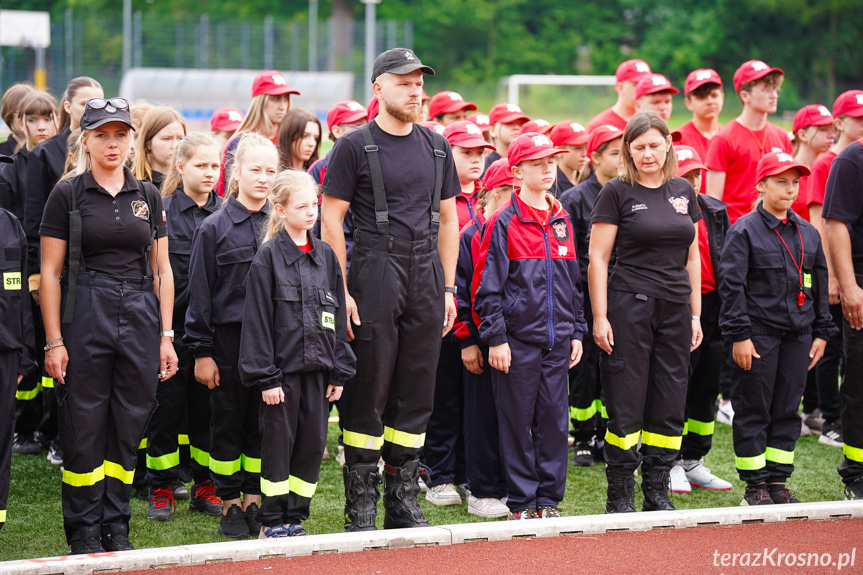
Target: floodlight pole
(371, 17)
(39, 74)
(127, 35)
(313, 35)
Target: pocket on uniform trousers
(364, 348)
(66, 427)
(611, 364)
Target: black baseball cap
(99, 111)
(398, 61)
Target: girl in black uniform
(641, 314)
(107, 353)
(299, 139)
(773, 287)
(294, 349)
(189, 198)
(161, 131)
(222, 251)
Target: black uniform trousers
(398, 286)
(823, 382)
(586, 409)
(293, 436)
(444, 452)
(9, 360)
(180, 399)
(235, 438)
(644, 381)
(29, 408)
(109, 394)
(706, 364)
(484, 466)
(851, 394)
(765, 399)
(532, 423)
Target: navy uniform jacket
(222, 252)
(470, 241)
(759, 284)
(183, 218)
(294, 319)
(16, 328)
(527, 283)
(13, 184)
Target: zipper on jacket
(548, 284)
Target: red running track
(771, 548)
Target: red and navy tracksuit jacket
(465, 206)
(527, 283)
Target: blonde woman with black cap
(107, 324)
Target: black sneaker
(55, 453)
(87, 540)
(162, 504)
(26, 445)
(251, 514)
(204, 499)
(115, 537)
(781, 494)
(233, 525)
(756, 495)
(582, 455)
(831, 434)
(181, 492)
(854, 490)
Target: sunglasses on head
(110, 106)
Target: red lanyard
(801, 297)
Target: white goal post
(514, 82)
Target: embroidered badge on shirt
(12, 281)
(560, 231)
(681, 205)
(562, 251)
(141, 210)
(328, 321)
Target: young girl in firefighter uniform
(222, 252)
(773, 287)
(294, 349)
(529, 300)
(107, 353)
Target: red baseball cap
(465, 134)
(447, 102)
(568, 133)
(700, 77)
(531, 146)
(631, 71)
(539, 126)
(811, 115)
(601, 135)
(432, 125)
(751, 71)
(653, 83)
(506, 114)
(226, 119)
(425, 97)
(776, 163)
(849, 103)
(687, 160)
(374, 108)
(480, 120)
(271, 83)
(346, 112)
(498, 174)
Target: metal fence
(92, 45)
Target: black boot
(621, 491)
(115, 537)
(655, 488)
(401, 488)
(361, 496)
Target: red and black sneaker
(756, 495)
(162, 504)
(204, 499)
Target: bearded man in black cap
(399, 181)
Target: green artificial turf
(34, 525)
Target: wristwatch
(450, 289)
(167, 334)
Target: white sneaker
(423, 487)
(487, 507)
(700, 476)
(444, 494)
(725, 413)
(679, 483)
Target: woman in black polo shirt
(641, 314)
(107, 352)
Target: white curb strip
(251, 550)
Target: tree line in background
(814, 41)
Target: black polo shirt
(408, 165)
(115, 230)
(843, 199)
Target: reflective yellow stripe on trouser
(182, 439)
(403, 438)
(704, 428)
(27, 394)
(779, 456)
(362, 441)
(224, 467)
(84, 479)
(751, 463)
(290, 485)
(852, 453)
(200, 456)
(47, 382)
(116, 471)
(659, 440)
(584, 414)
(2, 516)
(163, 462)
(625, 443)
(251, 464)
